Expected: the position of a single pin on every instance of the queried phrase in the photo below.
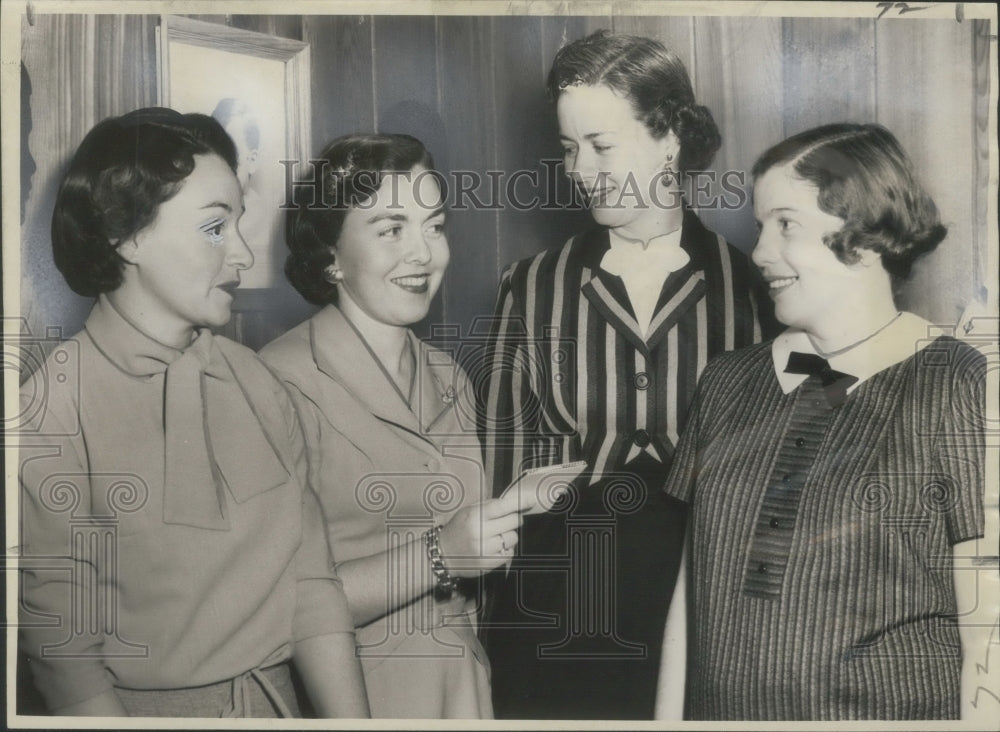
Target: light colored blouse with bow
(168, 536)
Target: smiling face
(811, 288)
(392, 251)
(613, 157)
(185, 266)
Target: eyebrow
(218, 204)
(589, 135)
(387, 217)
(403, 217)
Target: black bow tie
(835, 383)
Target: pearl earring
(333, 274)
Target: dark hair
(864, 177)
(228, 109)
(352, 169)
(654, 81)
(123, 170)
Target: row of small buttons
(775, 523)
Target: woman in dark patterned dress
(835, 474)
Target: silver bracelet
(446, 582)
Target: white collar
(644, 262)
(905, 336)
(662, 241)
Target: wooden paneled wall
(473, 89)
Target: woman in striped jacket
(594, 355)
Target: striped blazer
(568, 374)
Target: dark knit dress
(821, 566)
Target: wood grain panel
(930, 107)
(405, 75)
(527, 135)
(676, 32)
(283, 26)
(341, 59)
(828, 71)
(58, 54)
(557, 31)
(465, 70)
(404, 63)
(125, 63)
(740, 81)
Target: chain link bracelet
(446, 582)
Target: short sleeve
(961, 448)
(680, 481)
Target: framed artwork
(257, 86)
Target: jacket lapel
(436, 389)
(340, 353)
(606, 292)
(685, 287)
(681, 291)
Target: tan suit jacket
(385, 473)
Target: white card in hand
(538, 489)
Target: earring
(669, 174)
(332, 274)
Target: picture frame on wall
(257, 87)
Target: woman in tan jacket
(390, 428)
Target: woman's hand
(482, 536)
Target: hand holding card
(538, 489)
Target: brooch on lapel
(447, 393)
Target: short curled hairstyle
(124, 169)
(864, 177)
(348, 172)
(654, 81)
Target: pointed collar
(695, 239)
(680, 290)
(904, 337)
(663, 241)
(341, 353)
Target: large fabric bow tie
(835, 383)
(198, 467)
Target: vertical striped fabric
(568, 374)
(862, 625)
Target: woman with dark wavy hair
(835, 474)
(390, 428)
(174, 559)
(595, 354)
